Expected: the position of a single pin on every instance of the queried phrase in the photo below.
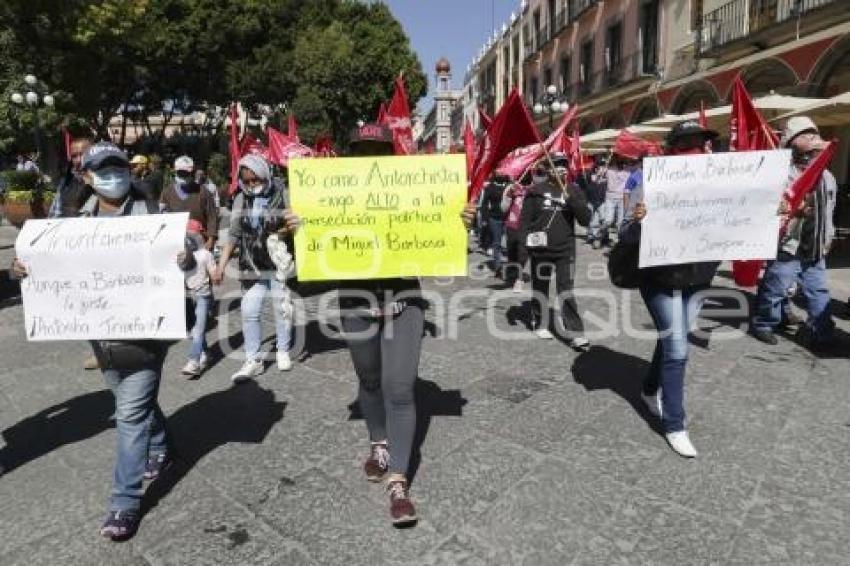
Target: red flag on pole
(575, 158)
(235, 152)
(748, 131)
(469, 148)
(398, 120)
(66, 137)
(808, 180)
(516, 163)
(511, 128)
(325, 146)
(250, 144)
(292, 129)
(630, 145)
(283, 148)
(382, 114)
(486, 121)
(703, 119)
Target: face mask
(181, 182)
(111, 182)
(802, 159)
(254, 190)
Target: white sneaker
(681, 443)
(653, 403)
(544, 334)
(192, 369)
(489, 252)
(581, 344)
(204, 361)
(251, 368)
(283, 361)
(517, 286)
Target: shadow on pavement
(244, 414)
(431, 401)
(74, 420)
(601, 369)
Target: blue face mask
(111, 182)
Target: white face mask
(111, 182)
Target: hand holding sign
(103, 278)
(712, 207)
(378, 217)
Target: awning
(833, 111)
(770, 106)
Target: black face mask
(802, 159)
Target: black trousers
(563, 270)
(517, 256)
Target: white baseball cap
(184, 163)
(796, 126)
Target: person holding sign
(673, 295)
(802, 249)
(258, 214)
(383, 322)
(131, 368)
(549, 212)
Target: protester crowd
(526, 225)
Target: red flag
(292, 129)
(486, 121)
(235, 152)
(748, 130)
(250, 144)
(808, 180)
(398, 120)
(429, 148)
(703, 119)
(283, 148)
(469, 148)
(325, 146)
(382, 114)
(516, 163)
(66, 137)
(576, 161)
(629, 145)
(511, 128)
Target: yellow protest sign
(379, 217)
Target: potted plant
(25, 196)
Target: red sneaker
(402, 512)
(378, 462)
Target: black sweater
(544, 203)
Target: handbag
(540, 239)
(623, 265)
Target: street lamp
(32, 99)
(551, 104)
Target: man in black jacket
(72, 191)
(549, 213)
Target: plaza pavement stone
(527, 452)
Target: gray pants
(385, 352)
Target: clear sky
(455, 29)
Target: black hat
(689, 128)
(103, 154)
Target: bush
(218, 168)
(24, 197)
(21, 181)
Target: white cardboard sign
(103, 278)
(712, 207)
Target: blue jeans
(614, 211)
(252, 307)
(497, 228)
(780, 276)
(673, 313)
(140, 427)
(597, 228)
(199, 329)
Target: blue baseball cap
(103, 154)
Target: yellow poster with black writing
(379, 217)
